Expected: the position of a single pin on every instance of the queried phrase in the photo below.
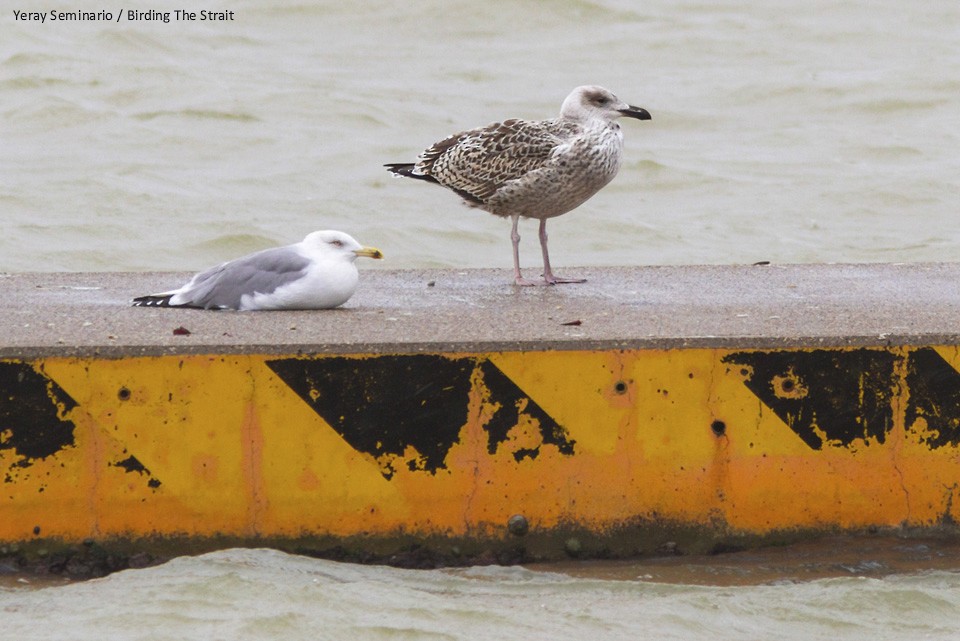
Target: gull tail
(154, 300)
(407, 169)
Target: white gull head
(332, 245)
(592, 102)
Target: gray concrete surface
(409, 311)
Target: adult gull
(316, 273)
(534, 169)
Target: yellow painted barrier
(450, 446)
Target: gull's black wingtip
(401, 169)
(152, 301)
(407, 170)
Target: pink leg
(548, 276)
(515, 237)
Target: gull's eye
(336, 243)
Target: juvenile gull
(316, 273)
(535, 169)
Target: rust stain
(251, 443)
(205, 468)
(308, 481)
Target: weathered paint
(450, 446)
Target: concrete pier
(410, 311)
(452, 415)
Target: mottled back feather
(478, 162)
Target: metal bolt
(517, 525)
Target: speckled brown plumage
(534, 169)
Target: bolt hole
(123, 394)
(620, 387)
(719, 428)
(787, 385)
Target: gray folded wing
(223, 286)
